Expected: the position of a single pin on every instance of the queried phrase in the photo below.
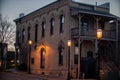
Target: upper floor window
(84, 25)
(36, 32)
(18, 37)
(62, 20)
(43, 29)
(23, 35)
(52, 23)
(29, 33)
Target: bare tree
(7, 35)
(7, 31)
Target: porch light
(69, 43)
(30, 42)
(99, 34)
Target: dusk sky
(12, 8)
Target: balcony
(91, 33)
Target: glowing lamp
(30, 42)
(99, 34)
(69, 43)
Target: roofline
(36, 10)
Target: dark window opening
(60, 56)
(52, 22)
(28, 33)
(36, 32)
(32, 61)
(23, 35)
(61, 23)
(43, 29)
(101, 24)
(18, 37)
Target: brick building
(50, 28)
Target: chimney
(21, 15)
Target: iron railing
(109, 34)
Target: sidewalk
(41, 77)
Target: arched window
(60, 53)
(52, 23)
(43, 29)
(36, 32)
(23, 35)
(29, 33)
(62, 20)
(42, 59)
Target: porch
(91, 33)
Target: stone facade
(49, 51)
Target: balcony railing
(107, 34)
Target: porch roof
(76, 11)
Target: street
(15, 76)
(12, 74)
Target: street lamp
(69, 45)
(30, 43)
(99, 36)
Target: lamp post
(16, 56)
(99, 36)
(69, 44)
(30, 43)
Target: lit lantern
(30, 42)
(69, 43)
(99, 34)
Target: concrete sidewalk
(43, 77)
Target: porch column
(96, 41)
(79, 55)
(117, 55)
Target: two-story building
(51, 26)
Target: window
(36, 32)
(42, 64)
(76, 54)
(101, 24)
(60, 53)
(60, 56)
(32, 61)
(28, 33)
(18, 37)
(23, 35)
(43, 29)
(61, 23)
(85, 25)
(52, 23)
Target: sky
(12, 8)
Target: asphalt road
(14, 76)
